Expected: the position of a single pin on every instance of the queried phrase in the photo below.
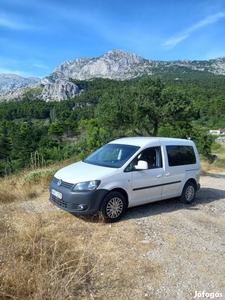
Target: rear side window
(180, 155)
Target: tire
(113, 206)
(188, 193)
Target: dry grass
(39, 261)
(25, 185)
(53, 255)
(47, 254)
(50, 254)
(218, 165)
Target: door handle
(158, 176)
(167, 174)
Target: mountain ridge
(11, 81)
(117, 65)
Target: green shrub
(216, 147)
(39, 176)
(219, 163)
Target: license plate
(56, 194)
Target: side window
(180, 155)
(151, 155)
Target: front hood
(80, 172)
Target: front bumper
(77, 202)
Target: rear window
(180, 155)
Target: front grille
(67, 185)
(59, 202)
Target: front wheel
(113, 206)
(188, 193)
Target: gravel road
(188, 243)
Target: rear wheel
(188, 194)
(113, 206)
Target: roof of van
(143, 141)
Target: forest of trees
(34, 133)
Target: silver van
(128, 172)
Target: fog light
(80, 207)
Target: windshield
(111, 155)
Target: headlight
(87, 186)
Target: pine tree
(5, 152)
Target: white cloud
(209, 20)
(9, 24)
(172, 42)
(40, 65)
(15, 24)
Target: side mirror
(142, 165)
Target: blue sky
(37, 36)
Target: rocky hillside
(12, 81)
(119, 65)
(11, 85)
(123, 65)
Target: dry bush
(39, 260)
(25, 185)
(6, 196)
(7, 192)
(216, 166)
(40, 176)
(54, 255)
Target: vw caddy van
(128, 172)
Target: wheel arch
(193, 181)
(122, 191)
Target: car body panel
(81, 171)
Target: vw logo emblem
(59, 182)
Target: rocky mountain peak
(119, 55)
(115, 64)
